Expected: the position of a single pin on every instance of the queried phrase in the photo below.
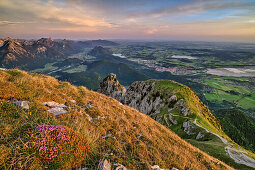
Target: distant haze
(217, 20)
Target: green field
(48, 67)
(225, 90)
(76, 69)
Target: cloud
(4, 22)
(151, 31)
(200, 6)
(48, 10)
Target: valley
(205, 67)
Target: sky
(193, 20)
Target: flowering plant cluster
(55, 144)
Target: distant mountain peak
(46, 41)
(100, 51)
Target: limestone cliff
(170, 103)
(110, 86)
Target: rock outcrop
(106, 165)
(111, 87)
(163, 104)
(55, 108)
(189, 127)
(144, 97)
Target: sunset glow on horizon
(199, 20)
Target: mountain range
(31, 54)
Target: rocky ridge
(25, 53)
(31, 54)
(144, 96)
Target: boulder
(104, 165)
(53, 104)
(119, 167)
(57, 110)
(23, 104)
(156, 167)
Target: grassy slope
(203, 114)
(158, 145)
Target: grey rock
(73, 101)
(119, 167)
(57, 110)
(172, 98)
(156, 167)
(111, 87)
(104, 165)
(53, 104)
(189, 127)
(172, 120)
(83, 168)
(90, 118)
(22, 104)
(97, 118)
(199, 136)
(182, 106)
(106, 136)
(139, 96)
(89, 106)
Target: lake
(187, 57)
(233, 72)
(119, 55)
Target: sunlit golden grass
(135, 140)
